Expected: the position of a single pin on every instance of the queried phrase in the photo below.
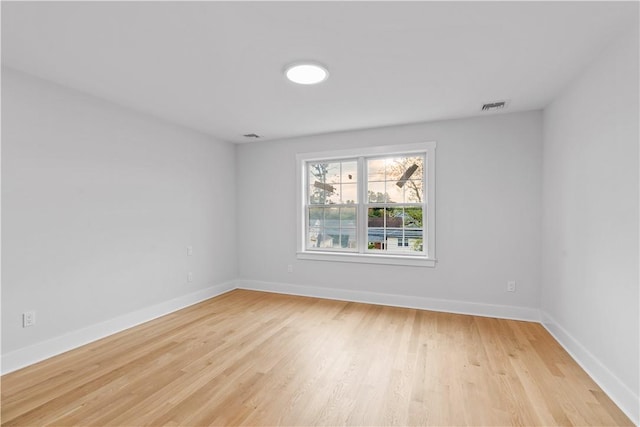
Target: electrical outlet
(289, 268)
(511, 286)
(189, 250)
(28, 318)
(190, 277)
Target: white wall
(488, 178)
(99, 204)
(590, 220)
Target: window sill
(368, 259)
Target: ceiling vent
(495, 106)
(251, 135)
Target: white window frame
(425, 259)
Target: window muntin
(374, 205)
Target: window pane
(395, 229)
(396, 194)
(415, 244)
(315, 214)
(375, 228)
(334, 198)
(412, 229)
(348, 218)
(332, 227)
(320, 193)
(349, 194)
(331, 233)
(376, 193)
(332, 182)
(348, 238)
(375, 170)
(404, 168)
(394, 217)
(324, 193)
(349, 172)
(402, 177)
(315, 225)
(348, 228)
(406, 174)
(413, 191)
(410, 192)
(394, 232)
(413, 217)
(333, 173)
(321, 185)
(317, 172)
(331, 224)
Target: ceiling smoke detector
(495, 106)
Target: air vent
(251, 135)
(494, 106)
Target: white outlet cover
(28, 319)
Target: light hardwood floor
(252, 358)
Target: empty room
(320, 213)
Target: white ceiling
(217, 66)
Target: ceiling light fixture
(306, 73)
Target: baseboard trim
(422, 303)
(622, 395)
(43, 350)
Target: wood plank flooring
(253, 358)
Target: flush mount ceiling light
(306, 73)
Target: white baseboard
(43, 350)
(449, 306)
(622, 395)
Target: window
(372, 205)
